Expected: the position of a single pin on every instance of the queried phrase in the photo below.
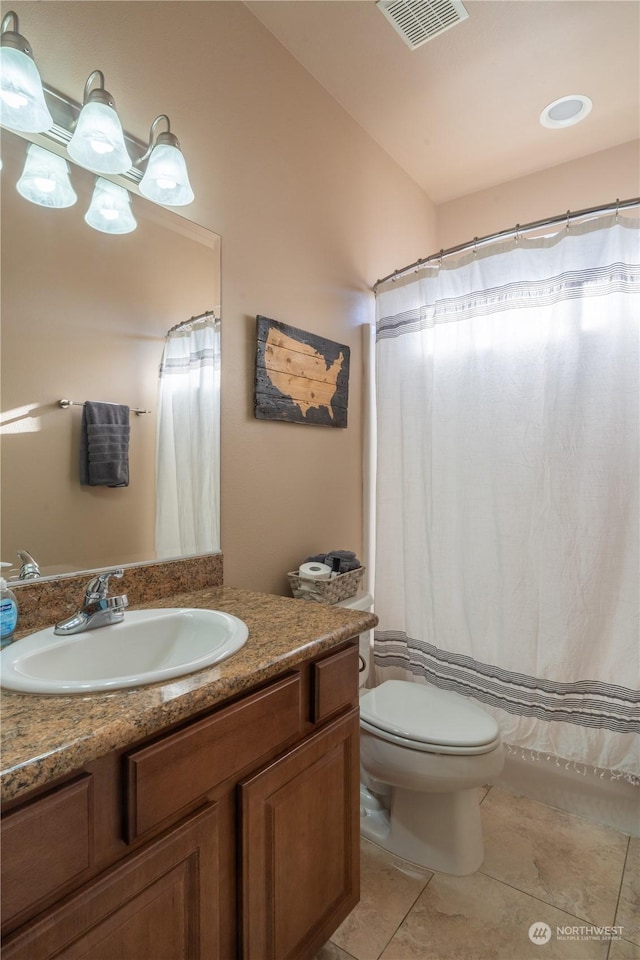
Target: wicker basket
(339, 588)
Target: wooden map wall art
(300, 377)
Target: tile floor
(541, 866)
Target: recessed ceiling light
(566, 111)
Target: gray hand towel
(104, 445)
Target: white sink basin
(147, 647)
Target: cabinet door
(159, 903)
(47, 845)
(300, 845)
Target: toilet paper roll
(314, 571)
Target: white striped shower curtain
(507, 487)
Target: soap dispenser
(8, 611)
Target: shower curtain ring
(517, 234)
(617, 207)
(568, 219)
(475, 246)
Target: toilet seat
(427, 719)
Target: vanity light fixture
(98, 142)
(91, 134)
(165, 180)
(22, 103)
(45, 179)
(109, 210)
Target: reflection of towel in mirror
(104, 445)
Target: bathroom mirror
(84, 317)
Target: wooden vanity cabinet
(159, 903)
(234, 836)
(300, 822)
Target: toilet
(423, 754)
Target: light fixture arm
(12, 38)
(165, 137)
(98, 94)
(11, 15)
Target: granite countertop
(46, 737)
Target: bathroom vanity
(213, 817)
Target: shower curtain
(507, 488)
(188, 442)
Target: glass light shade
(22, 104)
(109, 210)
(45, 179)
(98, 142)
(166, 179)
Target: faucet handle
(98, 587)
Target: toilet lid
(426, 714)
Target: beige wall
(593, 180)
(310, 211)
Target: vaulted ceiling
(461, 113)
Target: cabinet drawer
(334, 683)
(173, 773)
(45, 844)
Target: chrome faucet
(29, 569)
(98, 610)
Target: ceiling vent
(418, 21)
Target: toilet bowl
(423, 754)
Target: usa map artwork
(300, 377)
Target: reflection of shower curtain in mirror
(188, 447)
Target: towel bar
(80, 403)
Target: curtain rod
(513, 231)
(185, 323)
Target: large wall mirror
(84, 317)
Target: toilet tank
(362, 601)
